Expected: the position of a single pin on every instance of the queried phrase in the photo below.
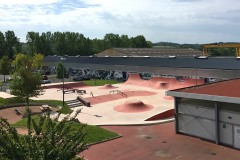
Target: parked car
(86, 77)
(46, 81)
(45, 77)
(77, 78)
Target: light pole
(63, 59)
(196, 60)
(196, 70)
(94, 56)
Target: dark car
(86, 77)
(46, 81)
(78, 78)
(45, 77)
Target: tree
(30, 41)
(60, 70)
(138, 42)
(5, 66)
(47, 139)
(112, 40)
(26, 81)
(11, 44)
(2, 44)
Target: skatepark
(133, 102)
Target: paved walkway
(157, 142)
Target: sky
(178, 21)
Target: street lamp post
(94, 56)
(196, 69)
(63, 59)
(196, 60)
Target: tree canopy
(5, 66)
(9, 44)
(26, 80)
(47, 139)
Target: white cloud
(24, 2)
(182, 21)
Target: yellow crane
(221, 45)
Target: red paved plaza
(157, 142)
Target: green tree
(26, 81)
(112, 40)
(2, 44)
(60, 70)
(11, 44)
(5, 66)
(47, 139)
(138, 42)
(31, 42)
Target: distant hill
(176, 45)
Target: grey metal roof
(224, 63)
(153, 52)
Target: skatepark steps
(74, 103)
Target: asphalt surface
(157, 142)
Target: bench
(69, 91)
(84, 101)
(81, 91)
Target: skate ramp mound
(135, 79)
(108, 86)
(164, 115)
(132, 106)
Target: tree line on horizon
(66, 43)
(73, 43)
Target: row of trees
(71, 43)
(65, 43)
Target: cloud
(192, 21)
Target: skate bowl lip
(107, 86)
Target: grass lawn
(100, 82)
(16, 100)
(94, 133)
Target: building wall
(198, 118)
(225, 68)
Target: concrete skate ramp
(162, 83)
(135, 79)
(108, 86)
(66, 85)
(132, 106)
(164, 115)
(187, 82)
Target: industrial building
(209, 111)
(152, 52)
